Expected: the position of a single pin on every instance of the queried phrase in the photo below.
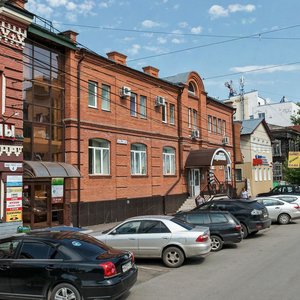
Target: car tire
(216, 243)
(253, 232)
(244, 231)
(173, 257)
(64, 291)
(284, 219)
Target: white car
(288, 198)
(164, 237)
(280, 211)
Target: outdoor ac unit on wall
(160, 101)
(195, 134)
(225, 140)
(125, 92)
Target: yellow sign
(13, 215)
(294, 160)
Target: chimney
(18, 3)
(117, 57)
(151, 71)
(72, 35)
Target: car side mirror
(114, 232)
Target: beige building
(256, 149)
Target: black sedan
(224, 227)
(63, 266)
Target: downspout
(179, 150)
(234, 155)
(79, 137)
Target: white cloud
(134, 50)
(217, 11)
(177, 41)
(248, 21)
(107, 3)
(57, 3)
(183, 24)
(161, 40)
(150, 24)
(196, 30)
(39, 9)
(128, 39)
(71, 6)
(154, 49)
(266, 69)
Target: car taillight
(202, 238)
(296, 206)
(132, 258)
(238, 227)
(109, 269)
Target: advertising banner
(294, 160)
(14, 198)
(57, 190)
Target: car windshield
(183, 224)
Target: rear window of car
(183, 223)
(250, 204)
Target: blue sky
(217, 39)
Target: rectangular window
(209, 123)
(105, 97)
(238, 175)
(269, 174)
(256, 174)
(92, 90)
(265, 174)
(276, 147)
(172, 114)
(143, 107)
(224, 127)
(260, 174)
(261, 115)
(164, 113)
(189, 117)
(219, 126)
(169, 161)
(214, 125)
(195, 121)
(133, 105)
(138, 162)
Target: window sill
(93, 107)
(171, 175)
(139, 176)
(99, 176)
(105, 110)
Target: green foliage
(296, 119)
(291, 175)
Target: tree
(291, 175)
(296, 118)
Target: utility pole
(242, 92)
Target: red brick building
(142, 144)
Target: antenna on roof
(229, 85)
(283, 99)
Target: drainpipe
(179, 150)
(234, 156)
(79, 136)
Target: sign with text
(57, 190)
(294, 160)
(14, 198)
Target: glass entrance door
(195, 182)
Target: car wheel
(244, 231)
(284, 219)
(216, 243)
(173, 257)
(65, 291)
(253, 232)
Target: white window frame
(260, 174)
(214, 127)
(265, 174)
(256, 174)
(133, 100)
(195, 119)
(164, 113)
(189, 117)
(93, 94)
(138, 160)
(169, 164)
(105, 88)
(143, 107)
(96, 150)
(172, 114)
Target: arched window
(99, 157)
(138, 157)
(168, 161)
(192, 88)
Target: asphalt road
(266, 266)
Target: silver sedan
(279, 210)
(164, 237)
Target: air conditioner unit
(160, 101)
(195, 134)
(225, 140)
(125, 92)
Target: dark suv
(282, 189)
(223, 226)
(252, 215)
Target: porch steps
(187, 205)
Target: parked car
(223, 226)
(252, 215)
(63, 265)
(280, 211)
(288, 198)
(291, 189)
(164, 237)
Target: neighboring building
(285, 139)
(256, 148)
(102, 141)
(252, 106)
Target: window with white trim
(265, 174)
(189, 117)
(99, 157)
(105, 96)
(168, 161)
(172, 114)
(214, 125)
(195, 121)
(260, 174)
(256, 174)
(92, 93)
(143, 107)
(209, 123)
(133, 105)
(164, 110)
(138, 157)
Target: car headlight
(256, 212)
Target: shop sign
(220, 156)
(122, 142)
(294, 160)
(57, 190)
(7, 131)
(12, 166)
(260, 160)
(12, 34)
(14, 198)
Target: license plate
(126, 267)
(265, 215)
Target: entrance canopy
(45, 169)
(207, 158)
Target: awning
(207, 158)
(45, 169)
